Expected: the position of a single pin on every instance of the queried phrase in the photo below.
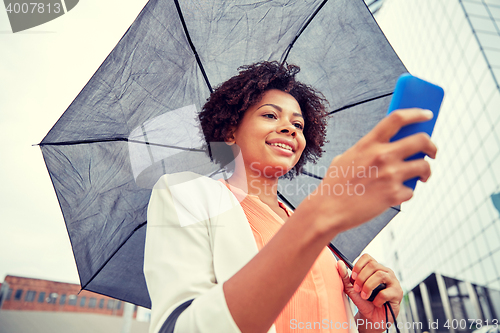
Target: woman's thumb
(344, 274)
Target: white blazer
(197, 238)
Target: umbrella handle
(375, 291)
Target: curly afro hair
(226, 106)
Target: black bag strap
(169, 324)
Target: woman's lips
(282, 145)
(284, 151)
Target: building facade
(448, 235)
(27, 294)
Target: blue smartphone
(412, 92)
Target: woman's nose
(289, 129)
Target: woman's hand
(367, 274)
(368, 178)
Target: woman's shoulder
(201, 196)
(185, 179)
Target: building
(445, 244)
(451, 305)
(35, 305)
(27, 294)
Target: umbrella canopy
(135, 119)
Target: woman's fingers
(417, 168)
(400, 172)
(413, 144)
(360, 264)
(344, 274)
(364, 268)
(391, 160)
(390, 125)
(389, 294)
(369, 274)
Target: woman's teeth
(282, 145)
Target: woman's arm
(257, 293)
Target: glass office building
(445, 243)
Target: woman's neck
(266, 188)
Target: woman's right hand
(379, 172)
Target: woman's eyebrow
(296, 114)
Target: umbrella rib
(285, 200)
(78, 142)
(289, 47)
(215, 172)
(340, 255)
(184, 26)
(321, 178)
(371, 3)
(151, 157)
(361, 102)
(112, 255)
(311, 175)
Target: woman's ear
(230, 140)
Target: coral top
(318, 304)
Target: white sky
(41, 71)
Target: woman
(215, 265)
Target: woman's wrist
(324, 222)
(364, 324)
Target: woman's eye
(298, 125)
(270, 116)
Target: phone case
(412, 92)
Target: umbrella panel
(127, 282)
(101, 203)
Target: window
(9, 294)
(82, 301)
(30, 296)
(119, 305)
(92, 302)
(495, 198)
(52, 298)
(41, 297)
(111, 304)
(62, 300)
(18, 295)
(101, 303)
(72, 300)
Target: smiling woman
(219, 256)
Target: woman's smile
(282, 146)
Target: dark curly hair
(226, 106)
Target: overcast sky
(41, 71)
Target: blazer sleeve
(178, 260)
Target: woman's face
(270, 135)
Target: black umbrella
(134, 120)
